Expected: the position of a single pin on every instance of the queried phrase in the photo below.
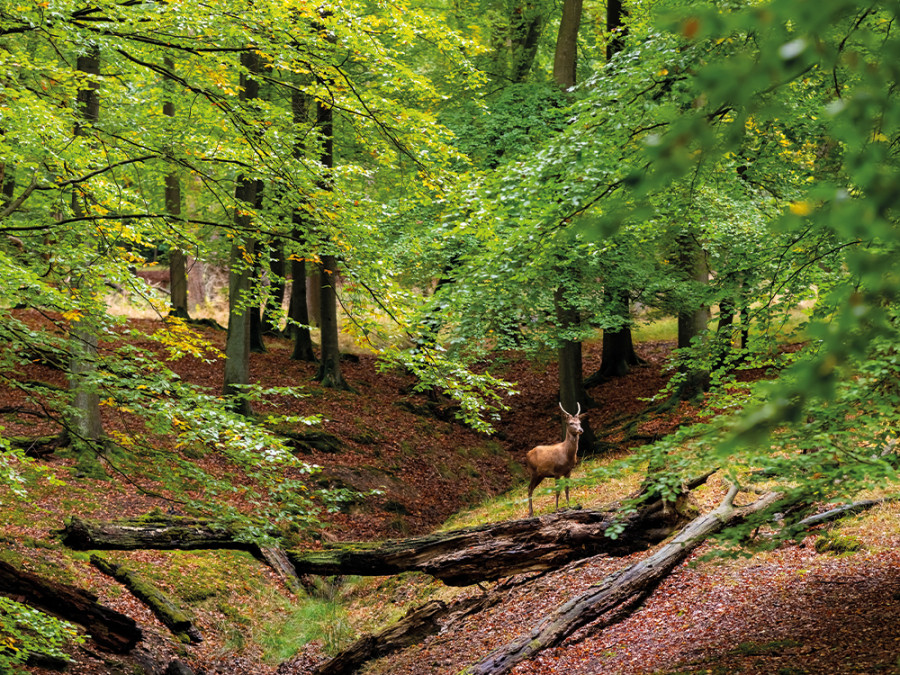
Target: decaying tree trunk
(620, 591)
(164, 607)
(109, 629)
(495, 550)
(278, 560)
(163, 532)
(418, 624)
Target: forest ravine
(799, 609)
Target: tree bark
(298, 311)
(168, 533)
(615, 13)
(330, 365)
(621, 591)
(413, 628)
(178, 281)
(565, 57)
(692, 321)
(165, 609)
(85, 418)
(496, 550)
(272, 311)
(243, 253)
(298, 308)
(572, 392)
(109, 629)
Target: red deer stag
(555, 461)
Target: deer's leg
(567, 492)
(535, 481)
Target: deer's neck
(571, 444)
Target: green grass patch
(285, 627)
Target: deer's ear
(583, 415)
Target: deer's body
(555, 461)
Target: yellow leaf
(801, 208)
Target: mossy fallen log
(152, 531)
(415, 626)
(164, 607)
(418, 624)
(108, 628)
(497, 550)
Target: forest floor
(785, 612)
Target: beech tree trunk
(85, 419)
(692, 321)
(565, 57)
(496, 550)
(415, 626)
(298, 308)
(622, 591)
(243, 252)
(167, 533)
(178, 280)
(164, 607)
(330, 365)
(108, 628)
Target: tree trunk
(178, 282)
(241, 263)
(165, 609)
(86, 419)
(166, 533)
(572, 392)
(108, 628)
(298, 308)
(565, 58)
(619, 593)
(496, 550)
(413, 628)
(615, 13)
(526, 27)
(272, 312)
(298, 311)
(330, 366)
(692, 321)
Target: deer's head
(573, 422)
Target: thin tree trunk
(243, 252)
(615, 13)
(303, 346)
(526, 27)
(330, 365)
(572, 393)
(298, 308)
(178, 282)
(86, 418)
(272, 310)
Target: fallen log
(496, 550)
(164, 607)
(418, 624)
(619, 592)
(151, 531)
(109, 629)
(278, 560)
